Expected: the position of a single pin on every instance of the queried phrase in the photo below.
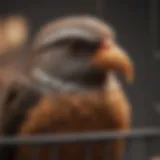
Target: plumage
(72, 71)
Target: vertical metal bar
(105, 150)
(127, 154)
(154, 35)
(100, 8)
(35, 152)
(55, 152)
(131, 150)
(88, 151)
(148, 151)
(154, 24)
(144, 139)
(139, 153)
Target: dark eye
(83, 48)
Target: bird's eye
(83, 48)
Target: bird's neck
(47, 82)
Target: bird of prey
(72, 88)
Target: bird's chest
(67, 114)
(76, 112)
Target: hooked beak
(111, 57)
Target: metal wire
(55, 152)
(88, 152)
(79, 137)
(35, 153)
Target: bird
(71, 87)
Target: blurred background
(137, 24)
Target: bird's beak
(111, 57)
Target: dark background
(136, 23)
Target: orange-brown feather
(79, 112)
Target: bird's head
(77, 52)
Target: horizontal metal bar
(79, 137)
